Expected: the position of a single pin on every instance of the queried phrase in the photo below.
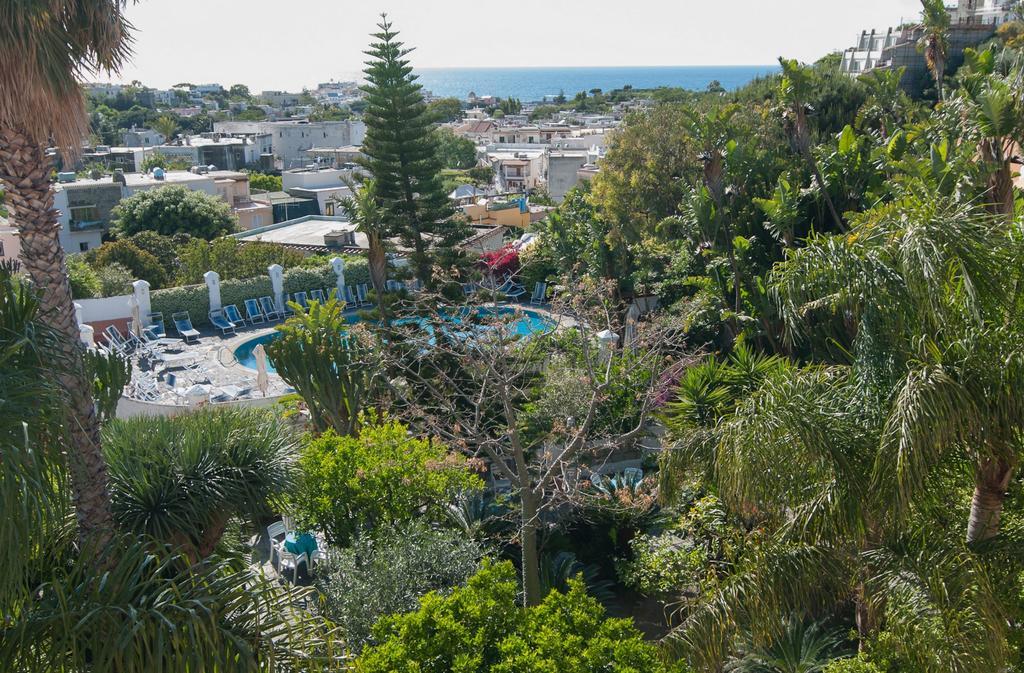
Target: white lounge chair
(252, 310)
(233, 316)
(540, 294)
(221, 322)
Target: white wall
(106, 308)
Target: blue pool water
(529, 322)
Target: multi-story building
(290, 140)
(281, 99)
(136, 137)
(985, 12)
(223, 152)
(897, 48)
(325, 185)
(518, 168)
(563, 171)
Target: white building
(864, 55)
(985, 12)
(142, 138)
(563, 171)
(326, 185)
(291, 140)
(519, 168)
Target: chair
(277, 532)
(117, 341)
(540, 294)
(156, 324)
(183, 325)
(414, 285)
(362, 294)
(221, 322)
(252, 310)
(469, 289)
(301, 299)
(318, 296)
(286, 310)
(145, 388)
(231, 311)
(350, 297)
(269, 309)
(150, 341)
(393, 286)
(333, 294)
(511, 289)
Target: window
(84, 213)
(83, 246)
(329, 208)
(1, 248)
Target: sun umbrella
(262, 380)
(136, 318)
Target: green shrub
(85, 284)
(481, 627)
(140, 263)
(115, 280)
(378, 479)
(388, 572)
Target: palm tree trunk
(992, 478)
(25, 171)
(378, 263)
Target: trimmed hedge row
(196, 298)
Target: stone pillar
(607, 340)
(212, 279)
(142, 299)
(276, 272)
(78, 313)
(338, 264)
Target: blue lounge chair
(540, 294)
(511, 289)
(318, 296)
(233, 316)
(469, 289)
(286, 310)
(393, 286)
(363, 294)
(269, 308)
(156, 324)
(333, 294)
(301, 299)
(350, 297)
(221, 322)
(183, 324)
(252, 309)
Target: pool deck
(220, 372)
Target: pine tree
(401, 152)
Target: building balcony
(86, 225)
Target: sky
(270, 44)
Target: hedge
(196, 298)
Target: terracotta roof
(479, 126)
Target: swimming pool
(528, 322)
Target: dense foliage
(377, 479)
(173, 210)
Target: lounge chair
(116, 340)
(414, 285)
(252, 311)
(363, 294)
(300, 299)
(469, 289)
(540, 294)
(269, 308)
(393, 286)
(511, 289)
(233, 316)
(221, 322)
(286, 310)
(318, 296)
(156, 324)
(350, 297)
(183, 325)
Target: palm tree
(794, 88)
(44, 49)
(929, 289)
(363, 207)
(935, 40)
(800, 648)
(148, 609)
(165, 126)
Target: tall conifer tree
(401, 152)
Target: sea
(538, 84)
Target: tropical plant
(364, 210)
(115, 280)
(333, 365)
(180, 480)
(111, 373)
(799, 648)
(379, 478)
(934, 41)
(44, 52)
